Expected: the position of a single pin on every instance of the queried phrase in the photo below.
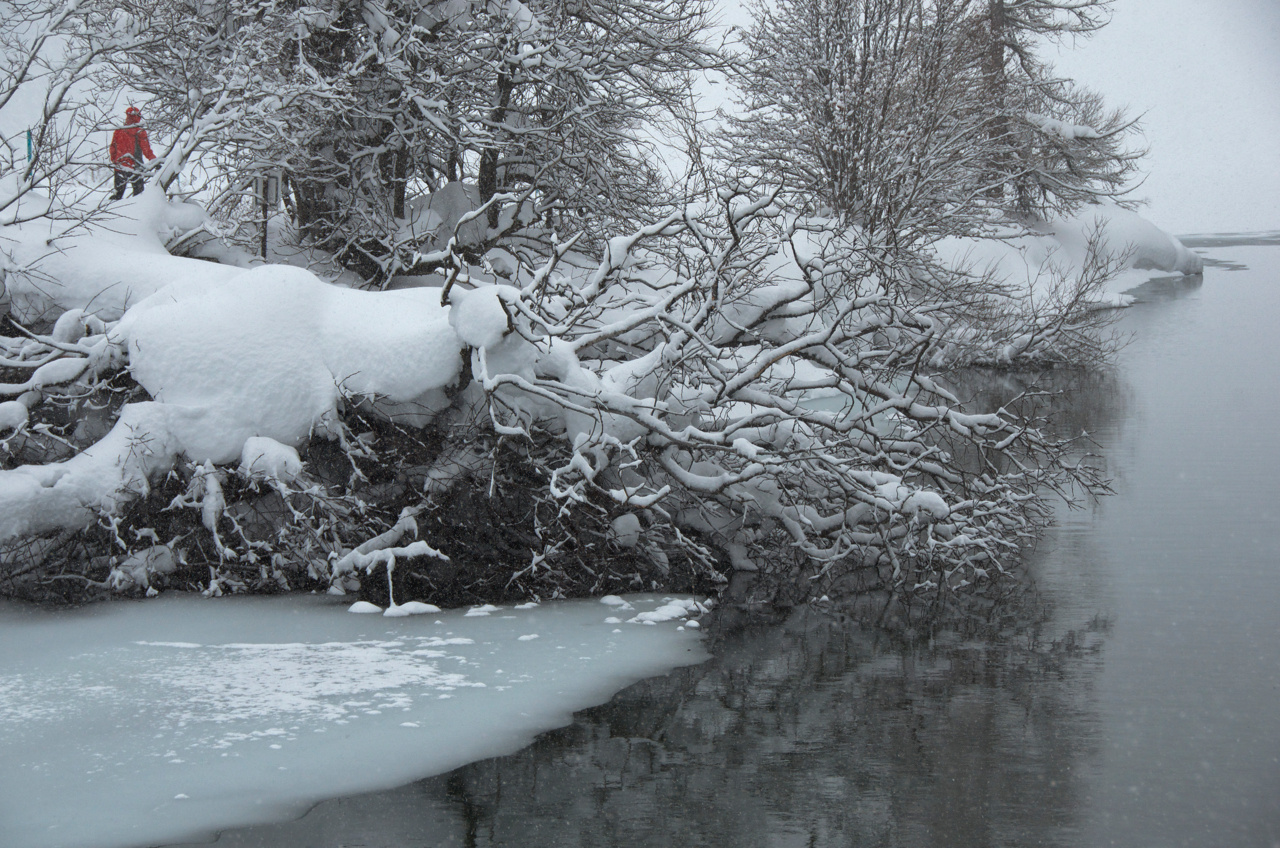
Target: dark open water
(1134, 700)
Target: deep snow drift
(132, 723)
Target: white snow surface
(271, 351)
(263, 458)
(479, 317)
(12, 415)
(269, 354)
(105, 267)
(1027, 263)
(132, 723)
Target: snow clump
(479, 317)
(263, 458)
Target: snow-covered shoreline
(272, 355)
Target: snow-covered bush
(777, 396)
(728, 389)
(365, 109)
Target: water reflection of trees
(814, 731)
(1068, 401)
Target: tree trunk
(488, 176)
(994, 71)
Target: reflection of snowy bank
(166, 720)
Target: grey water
(1131, 699)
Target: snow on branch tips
(765, 394)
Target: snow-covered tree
(765, 380)
(763, 402)
(1055, 144)
(871, 108)
(937, 113)
(367, 107)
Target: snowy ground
(131, 723)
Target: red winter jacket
(129, 143)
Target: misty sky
(1207, 76)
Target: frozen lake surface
(136, 723)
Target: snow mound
(263, 458)
(671, 610)
(272, 352)
(410, 608)
(1033, 264)
(266, 355)
(479, 317)
(106, 265)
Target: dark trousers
(123, 177)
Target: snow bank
(104, 266)
(1147, 246)
(266, 355)
(273, 350)
(1032, 265)
(134, 723)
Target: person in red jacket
(128, 147)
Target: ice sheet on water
(141, 723)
